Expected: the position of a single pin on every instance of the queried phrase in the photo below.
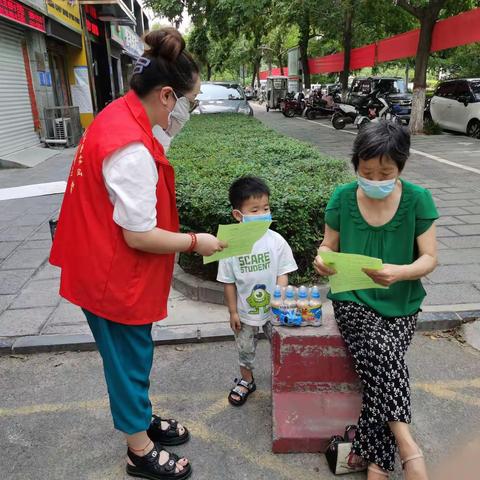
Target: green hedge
(213, 150)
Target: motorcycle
(320, 106)
(375, 110)
(344, 115)
(292, 105)
(372, 109)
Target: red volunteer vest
(100, 272)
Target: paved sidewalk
(33, 317)
(436, 163)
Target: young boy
(250, 279)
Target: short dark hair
(244, 188)
(382, 139)
(167, 64)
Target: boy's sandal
(168, 437)
(251, 387)
(148, 466)
(412, 457)
(379, 471)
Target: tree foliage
(231, 36)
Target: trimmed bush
(214, 150)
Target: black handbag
(340, 458)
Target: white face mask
(162, 136)
(178, 117)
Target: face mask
(376, 189)
(266, 217)
(178, 117)
(162, 136)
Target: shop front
(19, 117)
(67, 58)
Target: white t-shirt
(131, 177)
(255, 276)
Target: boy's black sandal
(237, 391)
(168, 437)
(148, 466)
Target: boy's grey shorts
(246, 340)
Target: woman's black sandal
(168, 437)
(148, 466)
(251, 387)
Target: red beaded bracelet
(193, 242)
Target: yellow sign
(66, 11)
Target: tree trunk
(427, 19)
(209, 71)
(347, 47)
(280, 64)
(304, 37)
(254, 75)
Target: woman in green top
(382, 216)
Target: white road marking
(413, 150)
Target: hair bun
(165, 42)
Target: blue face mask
(376, 189)
(266, 217)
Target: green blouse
(393, 242)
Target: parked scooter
(373, 109)
(321, 105)
(293, 104)
(344, 115)
(376, 109)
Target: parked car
(222, 97)
(393, 89)
(455, 105)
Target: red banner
(399, 46)
(329, 63)
(273, 71)
(452, 32)
(458, 30)
(19, 13)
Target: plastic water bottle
(290, 302)
(315, 307)
(278, 308)
(303, 304)
(293, 316)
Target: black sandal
(168, 437)
(148, 466)
(251, 387)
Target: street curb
(191, 334)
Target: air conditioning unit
(62, 130)
(62, 125)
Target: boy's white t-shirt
(255, 276)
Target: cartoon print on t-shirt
(259, 299)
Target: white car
(455, 105)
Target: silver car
(222, 97)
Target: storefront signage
(128, 39)
(66, 11)
(91, 21)
(19, 13)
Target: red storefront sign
(19, 13)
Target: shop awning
(114, 10)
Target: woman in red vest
(117, 237)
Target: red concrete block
(305, 421)
(315, 390)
